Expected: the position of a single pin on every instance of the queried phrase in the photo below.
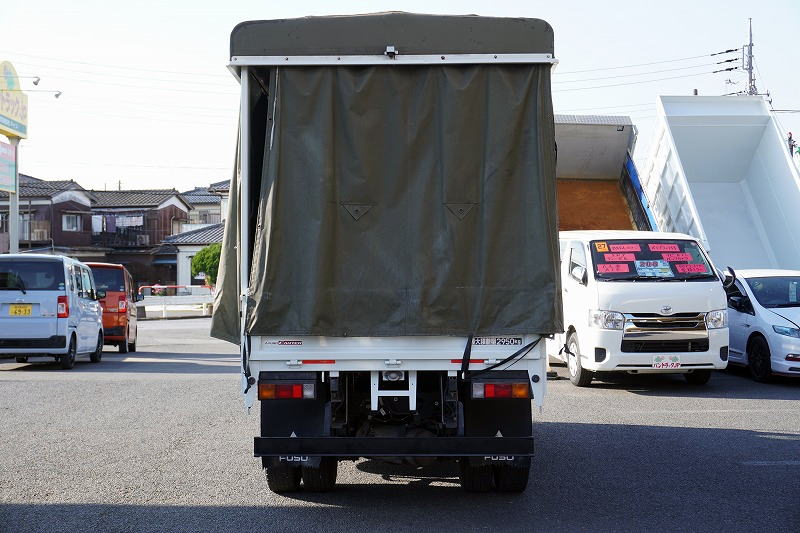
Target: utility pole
(13, 202)
(747, 59)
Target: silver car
(49, 308)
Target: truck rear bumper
(393, 446)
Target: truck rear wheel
(475, 478)
(322, 479)
(283, 478)
(509, 478)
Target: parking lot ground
(158, 441)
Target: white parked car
(764, 318)
(639, 302)
(49, 308)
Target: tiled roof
(132, 198)
(594, 120)
(206, 235)
(30, 187)
(200, 195)
(220, 186)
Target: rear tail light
(503, 389)
(123, 305)
(286, 391)
(62, 307)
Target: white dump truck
(390, 261)
(720, 170)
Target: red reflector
(497, 390)
(319, 361)
(458, 361)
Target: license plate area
(666, 361)
(20, 309)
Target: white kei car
(764, 322)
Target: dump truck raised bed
(598, 185)
(390, 260)
(720, 170)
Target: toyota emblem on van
(665, 310)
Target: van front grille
(665, 346)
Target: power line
(141, 87)
(633, 82)
(115, 75)
(650, 63)
(175, 72)
(646, 73)
(604, 107)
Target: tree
(207, 261)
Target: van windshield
(31, 275)
(108, 279)
(649, 260)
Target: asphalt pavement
(158, 440)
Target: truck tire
(97, 354)
(579, 376)
(474, 478)
(698, 377)
(758, 360)
(322, 479)
(509, 478)
(67, 360)
(283, 478)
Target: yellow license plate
(20, 310)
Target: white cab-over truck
(390, 262)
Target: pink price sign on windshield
(619, 257)
(612, 268)
(625, 247)
(660, 247)
(691, 268)
(677, 257)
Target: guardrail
(175, 301)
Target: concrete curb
(171, 318)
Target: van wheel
(283, 478)
(322, 479)
(579, 376)
(758, 360)
(132, 345)
(123, 345)
(68, 359)
(97, 354)
(21, 359)
(509, 478)
(698, 377)
(475, 478)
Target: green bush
(207, 260)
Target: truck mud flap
(393, 447)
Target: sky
(147, 100)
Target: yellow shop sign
(13, 103)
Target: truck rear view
(390, 262)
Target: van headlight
(717, 319)
(789, 332)
(606, 319)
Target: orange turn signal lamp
(286, 391)
(488, 389)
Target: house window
(71, 222)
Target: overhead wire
(636, 82)
(648, 73)
(651, 62)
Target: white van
(640, 302)
(49, 308)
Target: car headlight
(717, 319)
(789, 332)
(606, 319)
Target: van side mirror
(729, 277)
(580, 274)
(99, 295)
